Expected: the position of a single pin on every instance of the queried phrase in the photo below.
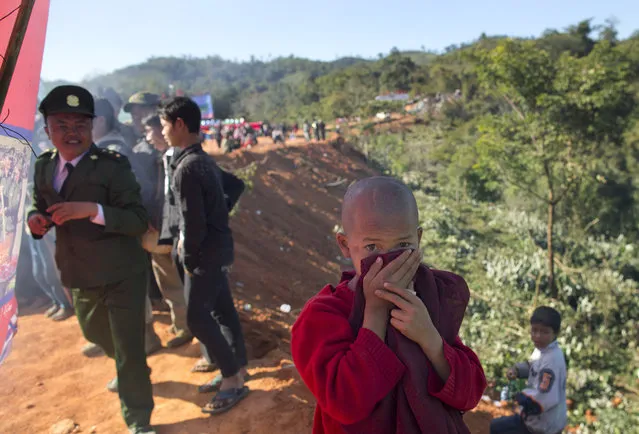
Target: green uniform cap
(142, 98)
(68, 99)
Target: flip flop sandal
(112, 386)
(203, 366)
(214, 384)
(225, 400)
(92, 350)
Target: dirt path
(284, 254)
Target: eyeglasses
(77, 126)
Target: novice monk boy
(380, 351)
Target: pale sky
(85, 37)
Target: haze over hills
(293, 88)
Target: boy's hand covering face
(410, 316)
(400, 270)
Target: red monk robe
(362, 385)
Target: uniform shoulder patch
(111, 154)
(546, 380)
(49, 153)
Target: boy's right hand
(399, 272)
(511, 374)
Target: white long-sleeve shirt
(546, 372)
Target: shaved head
(379, 195)
(379, 215)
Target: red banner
(16, 130)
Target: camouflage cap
(142, 98)
(68, 99)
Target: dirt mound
(285, 252)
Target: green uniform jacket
(90, 255)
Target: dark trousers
(225, 331)
(112, 317)
(210, 309)
(153, 290)
(508, 425)
(178, 263)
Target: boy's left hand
(411, 316)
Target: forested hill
(292, 88)
(253, 89)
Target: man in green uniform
(93, 199)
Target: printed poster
(205, 102)
(16, 131)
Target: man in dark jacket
(322, 129)
(169, 235)
(205, 248)
(91, 196)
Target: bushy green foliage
(497, 250)
(612, 420)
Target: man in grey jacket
(105, 132)
(126, 131)
(146, 163)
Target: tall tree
(397, 72)
(558, 119)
